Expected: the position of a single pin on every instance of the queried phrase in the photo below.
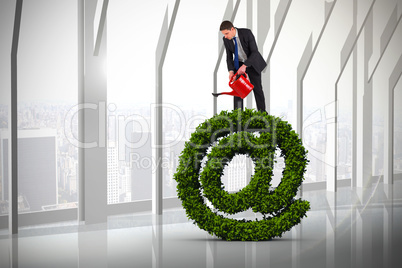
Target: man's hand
(242, 69)
(231, 74)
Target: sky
(47, 52)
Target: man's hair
(226, 25)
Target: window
(47, 91)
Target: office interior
(99, 97)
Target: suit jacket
(254, 58)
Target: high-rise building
(37, 165)
(169, 164)
(239, 172)
(125, 183)
(141, 167)
(112, 174)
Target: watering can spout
(232, 93)
(240, 85)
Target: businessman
(242, 56)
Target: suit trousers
(255, 79)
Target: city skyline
(127, 179)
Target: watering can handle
(235, 75)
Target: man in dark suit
(249, 59)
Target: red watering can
(241, 86)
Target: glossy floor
(350, 228)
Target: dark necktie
(236, 55)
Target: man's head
(228, 30)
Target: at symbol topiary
(257, 135)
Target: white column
(354, 103)
(296, 245)
(81, 99)
(331, 155)
(211, 252)
(250, 12)
(364, 107)
(389, 124)
(157, 241)
(261, 27)
(94, 115)
(331, 229)
(389, 137)
(331, 111)
(13, 126)
(161, 50)
(388, 225)
(251, 255)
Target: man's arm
(252, 46)
(254, 58)
(229, 57)
(229, 60)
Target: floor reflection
(157, 241)
(350, 228)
